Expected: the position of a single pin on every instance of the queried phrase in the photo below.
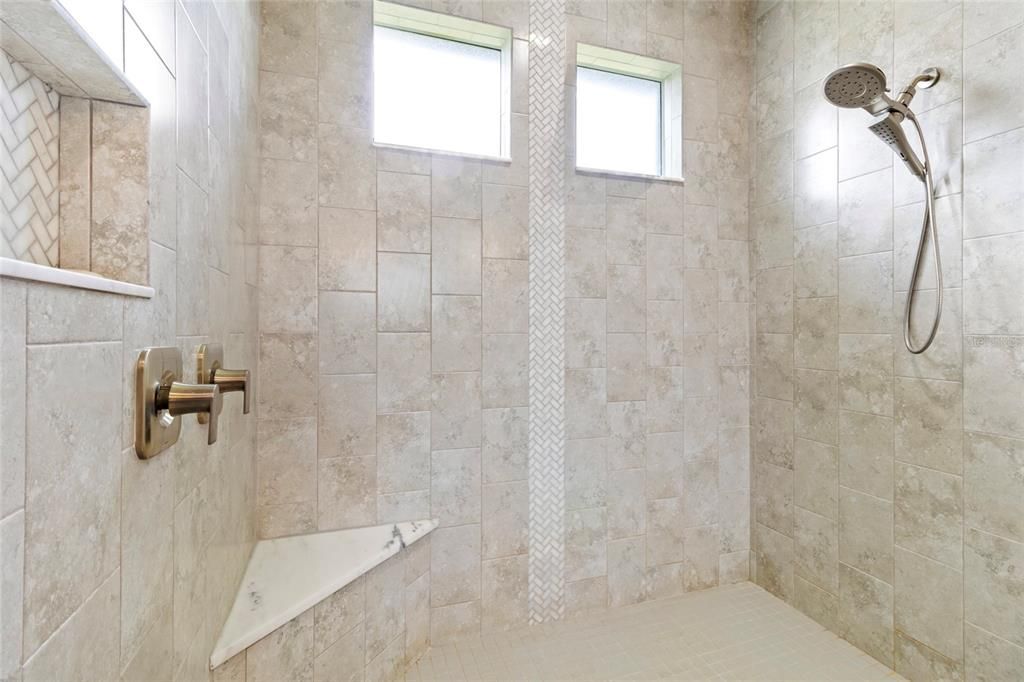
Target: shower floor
(736, 632)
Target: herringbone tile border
(29, 201)
(547, 310)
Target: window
(440, 83)
(628, 113)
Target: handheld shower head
(856, 86)
(889, 131)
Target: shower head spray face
(856, 86)
(889, 131)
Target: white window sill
(632, 176)
(32, 272)
(441, 152)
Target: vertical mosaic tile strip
(547, 311)
(29, 121)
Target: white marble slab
(33, 272)
(287, 576)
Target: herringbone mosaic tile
(29, 121)
(547, 311)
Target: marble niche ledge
(286, 576)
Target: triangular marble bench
(287, 576)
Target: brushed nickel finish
(161, 400)
(210, 370)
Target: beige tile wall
(887, 486)
(394, 320)
(114, 567)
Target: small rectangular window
(628, 113)
(440, 83)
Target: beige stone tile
(734, 324)
(625, 375)
(119, 179)
(347, 331)
(385, 606)
(815, 272)
(816, 549)
(665, 465)
(859, 151)
(585, 332)
(773, 497)
(344, 83)
(774, 39)
(586, 270)
(191, 100)
(773, 431)
(455, 410)
(700, 301)
(993, 281)
(417, 617)
(626, 503)
(86, 644)
(664, 267)
(907, 232)
(154, 656)
(992, 185)
(865, 372)
(993, 388)
(664, 533)
(734, 520)
(586, 596)
(454, 565)
(61, 314)
(775, 300)
(346, 259)
(586, 473)
(505, 292)
(505, 370)
(585, 409)
(455, 188)
(455, 256)
(701, 416)
(288, 38)
(626, 229)
(815, 39)
(403, 301)
(626, 309)
(664, 208)
(626, 571)
(774, 178)
(734, 459)
(505, 229)
(455, 486)
(505, 592)
(347, 423)
(287, 386)
(734, 397)
(987, 65)
(345, 654)
(943, 130)
(625, 25)
(865, 293)
(286, 653)
(403, 377)
(664, 405)
(865, 214)
(397, 507)
(346, 492)
(989, 657)
(627, 434)
(992, 597)
(288, 117)
(287, 206)
(585, 545)
(866, 533)
(505, 527)
(733, 211)
(916, 661)
(992, 501)
(929, 423)
(455, 334)
(504, 444)
(929, 515)
(190, 585)
(193, 277)
(773, 561)
(74, 157)
(60, 576)
(866, 612)
(288, 299)
(347, 167)
(816, 405)
(774, 368)
(937, 623)
(12, 573)
(286, 519)
(448, 623)
(286, 461)
(734, 271)
(403, 212)
(866, 453)
(820, 605)
(338, 614)
(701, 160)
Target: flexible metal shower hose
(927, 229)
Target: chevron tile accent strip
(547, 310)
(29, 123)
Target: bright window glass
(435, 93)
(618, 122)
